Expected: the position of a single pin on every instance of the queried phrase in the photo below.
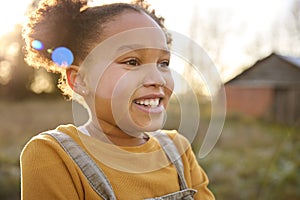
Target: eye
(132, 62)
(164, 64)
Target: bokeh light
(38, 45)
(62, 56)
(5, 72)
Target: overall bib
(100, 183)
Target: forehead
(126, 32)
(126, 21)
(147, 38)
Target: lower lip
(155, 110)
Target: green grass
(19, 122)
(253, 159)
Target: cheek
(169, 84)
(113, 94)
(118, 86)
(106, 85)
(104, 94)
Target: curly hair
(74, 25)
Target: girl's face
(135, 87)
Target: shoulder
(181, 142)
(183, 146)
(41, 138)
(42, 146)
(173, 134)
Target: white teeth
(148, 102)
(152, 102)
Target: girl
(116, 60)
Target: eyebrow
(136, 47)
(131, 46)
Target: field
(253, 159)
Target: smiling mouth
(149, 103)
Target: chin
(153, 125)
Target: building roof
(272, 70)
(293, 60)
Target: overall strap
(92, 172)
(173, 155)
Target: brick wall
(250, 101)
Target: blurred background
(255, 46)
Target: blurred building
(269, 89)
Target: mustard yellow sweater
(47, 172)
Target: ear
(71, 76)
(76, 81)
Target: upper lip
(151, 96)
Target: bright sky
(11, 12)
(177, 13)
(252, 17)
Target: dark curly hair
(72, 24)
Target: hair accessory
(62, 56)
(38, 45)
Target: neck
(109, 133)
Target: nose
(153, 77)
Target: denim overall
(99, 181)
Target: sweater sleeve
(47, 172)
(199, 178)
(194, 174)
